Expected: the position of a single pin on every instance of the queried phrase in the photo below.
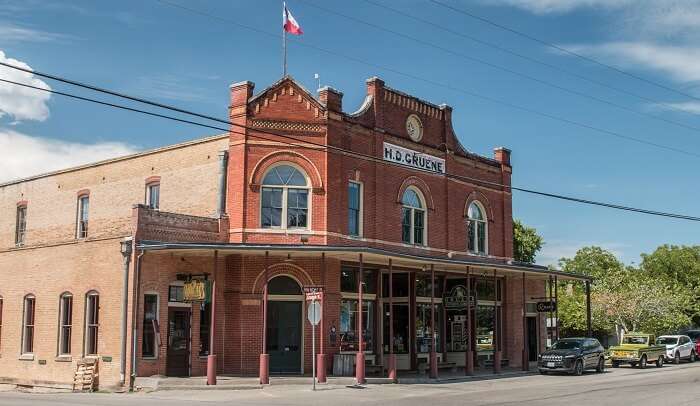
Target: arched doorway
(284, 325)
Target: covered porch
(421, 317)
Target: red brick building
(298, 194)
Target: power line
(502, 68)
(528, 58)
(442, 85)
(564, 50)
(304, 144)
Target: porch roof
(371, 255)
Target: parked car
(695, 336)
(678, 347)
(638, 349)
(572, 355)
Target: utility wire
(528, 58)
(442, 85)
(564, 50)
(308, 144)
(502, 68)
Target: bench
(489, 363)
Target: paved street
(672, 385)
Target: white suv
(678, 347)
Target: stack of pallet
(86, 376)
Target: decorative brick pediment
(286, 100)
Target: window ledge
(26, 357)
(64, 358)
(149, 358)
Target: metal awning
(374, 256)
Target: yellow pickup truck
(638, 349)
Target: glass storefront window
(485, 290)
(484, 328)
(401, 338)
(348, 280)
(400, 281)
(456, 338)
(423, 286)
(424, 334)
(349, 338)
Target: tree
(680, 264)
(526, 242)
(623, 299)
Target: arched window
(478, 231)
(65, 323)
(413, 217)
(283, 285)
(285, 198)
(92, 322)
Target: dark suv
(573, 356)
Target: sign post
(315, 295)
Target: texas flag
(289, 24)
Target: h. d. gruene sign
(415, 159)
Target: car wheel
(677, 358)
(660, 362)
(643, 362)
(693, 357)
(578, 368)
(615, 364)
(601, 365)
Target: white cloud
(680, 63)
(558, 6)
(24, 155)
(19, 102)
(691, 107)
(14, 33)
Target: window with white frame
(355, 209)
(83, 211)
(65, 324)
(285, 198)
(153, 195)
(478, 232)
(28, 325)
(150, 318)
(92, 318)
(21, 225)
(413, 217)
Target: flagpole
(284, 41)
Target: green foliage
(655, 298)
(526, 242)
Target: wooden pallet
(86, 375)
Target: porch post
(469, 355)
(496, 333)
(211, 359)
(526, 344)
(433, 353)
(556, 309)
(360, 358)
(392, 356)
(321, 358)
(264, 356)
(588, 309)
(550, 330)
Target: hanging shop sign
(456, 298)
(414, 159)
(196, 290)
(546, 307)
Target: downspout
(126, 249)
(223, 167)
(134, 338)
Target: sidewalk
(156, 383)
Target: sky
(575, 127)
